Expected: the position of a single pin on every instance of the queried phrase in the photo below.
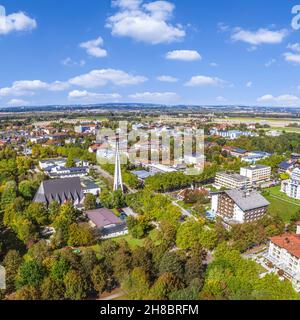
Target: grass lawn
(281, 204)
(133, 243)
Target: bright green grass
(281, 204)
(133, 243)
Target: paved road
(112, 297)
(184, 211)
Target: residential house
(284, 254)
(106, 223)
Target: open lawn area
(281, 204)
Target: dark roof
(103, 217)
(60, 190)
(286, 164)
(238, 150)
(143, 174)
(247, 201)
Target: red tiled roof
(288, 241)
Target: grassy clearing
(281, 204)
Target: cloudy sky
(177, 51)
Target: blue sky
(173, 52)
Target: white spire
(118, 183)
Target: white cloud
(261, 36)
(249, 84)
(162, 97)
(213, 64)
(201, 81)
(69, 62)
(270, 62)
(285, 99)
(16, 22)
(145, 22)
(28, 87)
(100, 78)
(223, 27)
(292, 57)
(221, 99)
(184, 55)
(127, 4)
(17, 103)
(167, 79)
(94, 48)
(91, 96)
(294, 47)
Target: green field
(281, 204)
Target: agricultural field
(279, 124)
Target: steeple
(118, 183)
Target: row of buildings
(249, 178)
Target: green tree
(59, 269)
(136, 284)
(80, 235)
(52, 290)
(171, 262)
(38, 213)
(99, 278)
(90, 202)
(76, 285)
(30, 273)
(26, 189)
(70, 163)
(164, 286)
(138, 227)
(188, 233)
(12, 262)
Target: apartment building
(236, 206)
(232, 181)
(257, 173)
(284, 253)
(291, 187)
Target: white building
(232, 181)
(273, 133)
(291, 187)
(284, 253)
(257, 173)
(160, 168)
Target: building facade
(236, 206)
(291, 187)
(284, 253)
(232, 181)
(257, 173)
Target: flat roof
(256, 167)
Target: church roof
(60, 190)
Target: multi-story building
(257, 173)
(284, 253)
(236, 206)
(232, 181)
(291, 187)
